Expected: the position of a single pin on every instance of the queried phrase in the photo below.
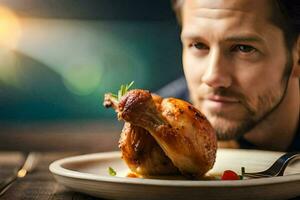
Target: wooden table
(54, 141)
(39, 184)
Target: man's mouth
(218, 103)
(221, 99)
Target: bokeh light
(10, 28)
(82, 79)
(10, 33)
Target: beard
(229, 126)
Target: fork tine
(278, 167)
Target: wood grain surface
(55, 140)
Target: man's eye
(199, 45)
(244, 48)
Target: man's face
(235, 62)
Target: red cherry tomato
(230, 175)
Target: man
(241, 60)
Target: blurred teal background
(58, 58)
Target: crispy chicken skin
(181, 131)
(142, 154)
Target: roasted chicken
(163, 136)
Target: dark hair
(285, 15)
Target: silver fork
(29, 165)
(277, 169)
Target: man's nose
(217, 73)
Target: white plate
(89, 174)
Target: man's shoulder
(177, 88)
(295, 145)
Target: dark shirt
(178, 89)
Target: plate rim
(57, 170)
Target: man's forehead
(234, 5)
(238, 20)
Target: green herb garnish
(123, 90)
(111, 171)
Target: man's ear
(296, 58)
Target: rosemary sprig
(122, 91)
